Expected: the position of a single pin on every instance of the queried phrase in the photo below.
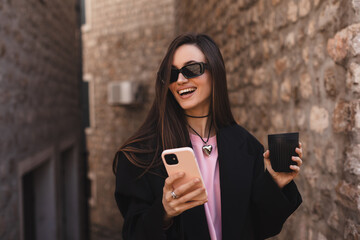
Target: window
(68, 195)
(50, 194)
(85, 104)
(39, 206)
(85, 12)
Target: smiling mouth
(186, 91)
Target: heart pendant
(207, 149)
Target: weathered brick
(341, 120)
(319, 119)
(292, 11)
(285, 90)
(355, 117)
(260, 97)
(311, 176)
(337, 48)
(353, 78)
(348, 195)
(274, 92)
(290, 40)
(334, 219)
(266, 49)
(305, 54)
(277, 121)
(311, 30)
(275, 2)
(352, 230)
(259, 76)
(328, 14)
(320, 236)
(304, 7)
(305, 85)
(333, 77)
(356, 7)
(240, 115)
(236, 99)
(281, 65)
(355, 45)
(300, 118)
(281, 16)
(352, 162)
(345, 41)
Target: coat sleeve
(142, 210)
(272, 205)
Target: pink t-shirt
(209, 168)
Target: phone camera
(171, 159)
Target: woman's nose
(181, 79)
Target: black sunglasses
(188, 71)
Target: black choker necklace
(207, 148)
(197, 116)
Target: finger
(297, 160)
(267, 163)
(177, 206)
(182, 189)
(295, 168)
(169, 197)
(187, 186)
(266, 154)
(299, 151)
(193, 194)
(171, 179)
(188, 205)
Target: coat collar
(235, 167)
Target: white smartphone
(182, 160)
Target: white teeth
(186, 90)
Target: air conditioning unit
(125, 93)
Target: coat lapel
(235, 167)
(195, 223)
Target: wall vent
(125, 93)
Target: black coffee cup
(282, 148)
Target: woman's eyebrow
(191, 61)
(186, 63)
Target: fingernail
(196, 180)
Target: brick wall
(39, 91)
(123, 40)
(294, 66)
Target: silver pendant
(207, 149)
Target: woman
(191, 108)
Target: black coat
(252, 205)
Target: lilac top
(209, 168)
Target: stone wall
(39, 92)
(294, 66)
(122, 40)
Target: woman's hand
(184, 198)
(283, 178)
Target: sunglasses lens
(192, 70)
(174, 75)
(189, 71)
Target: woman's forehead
(187, 53)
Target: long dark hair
(165, 126)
